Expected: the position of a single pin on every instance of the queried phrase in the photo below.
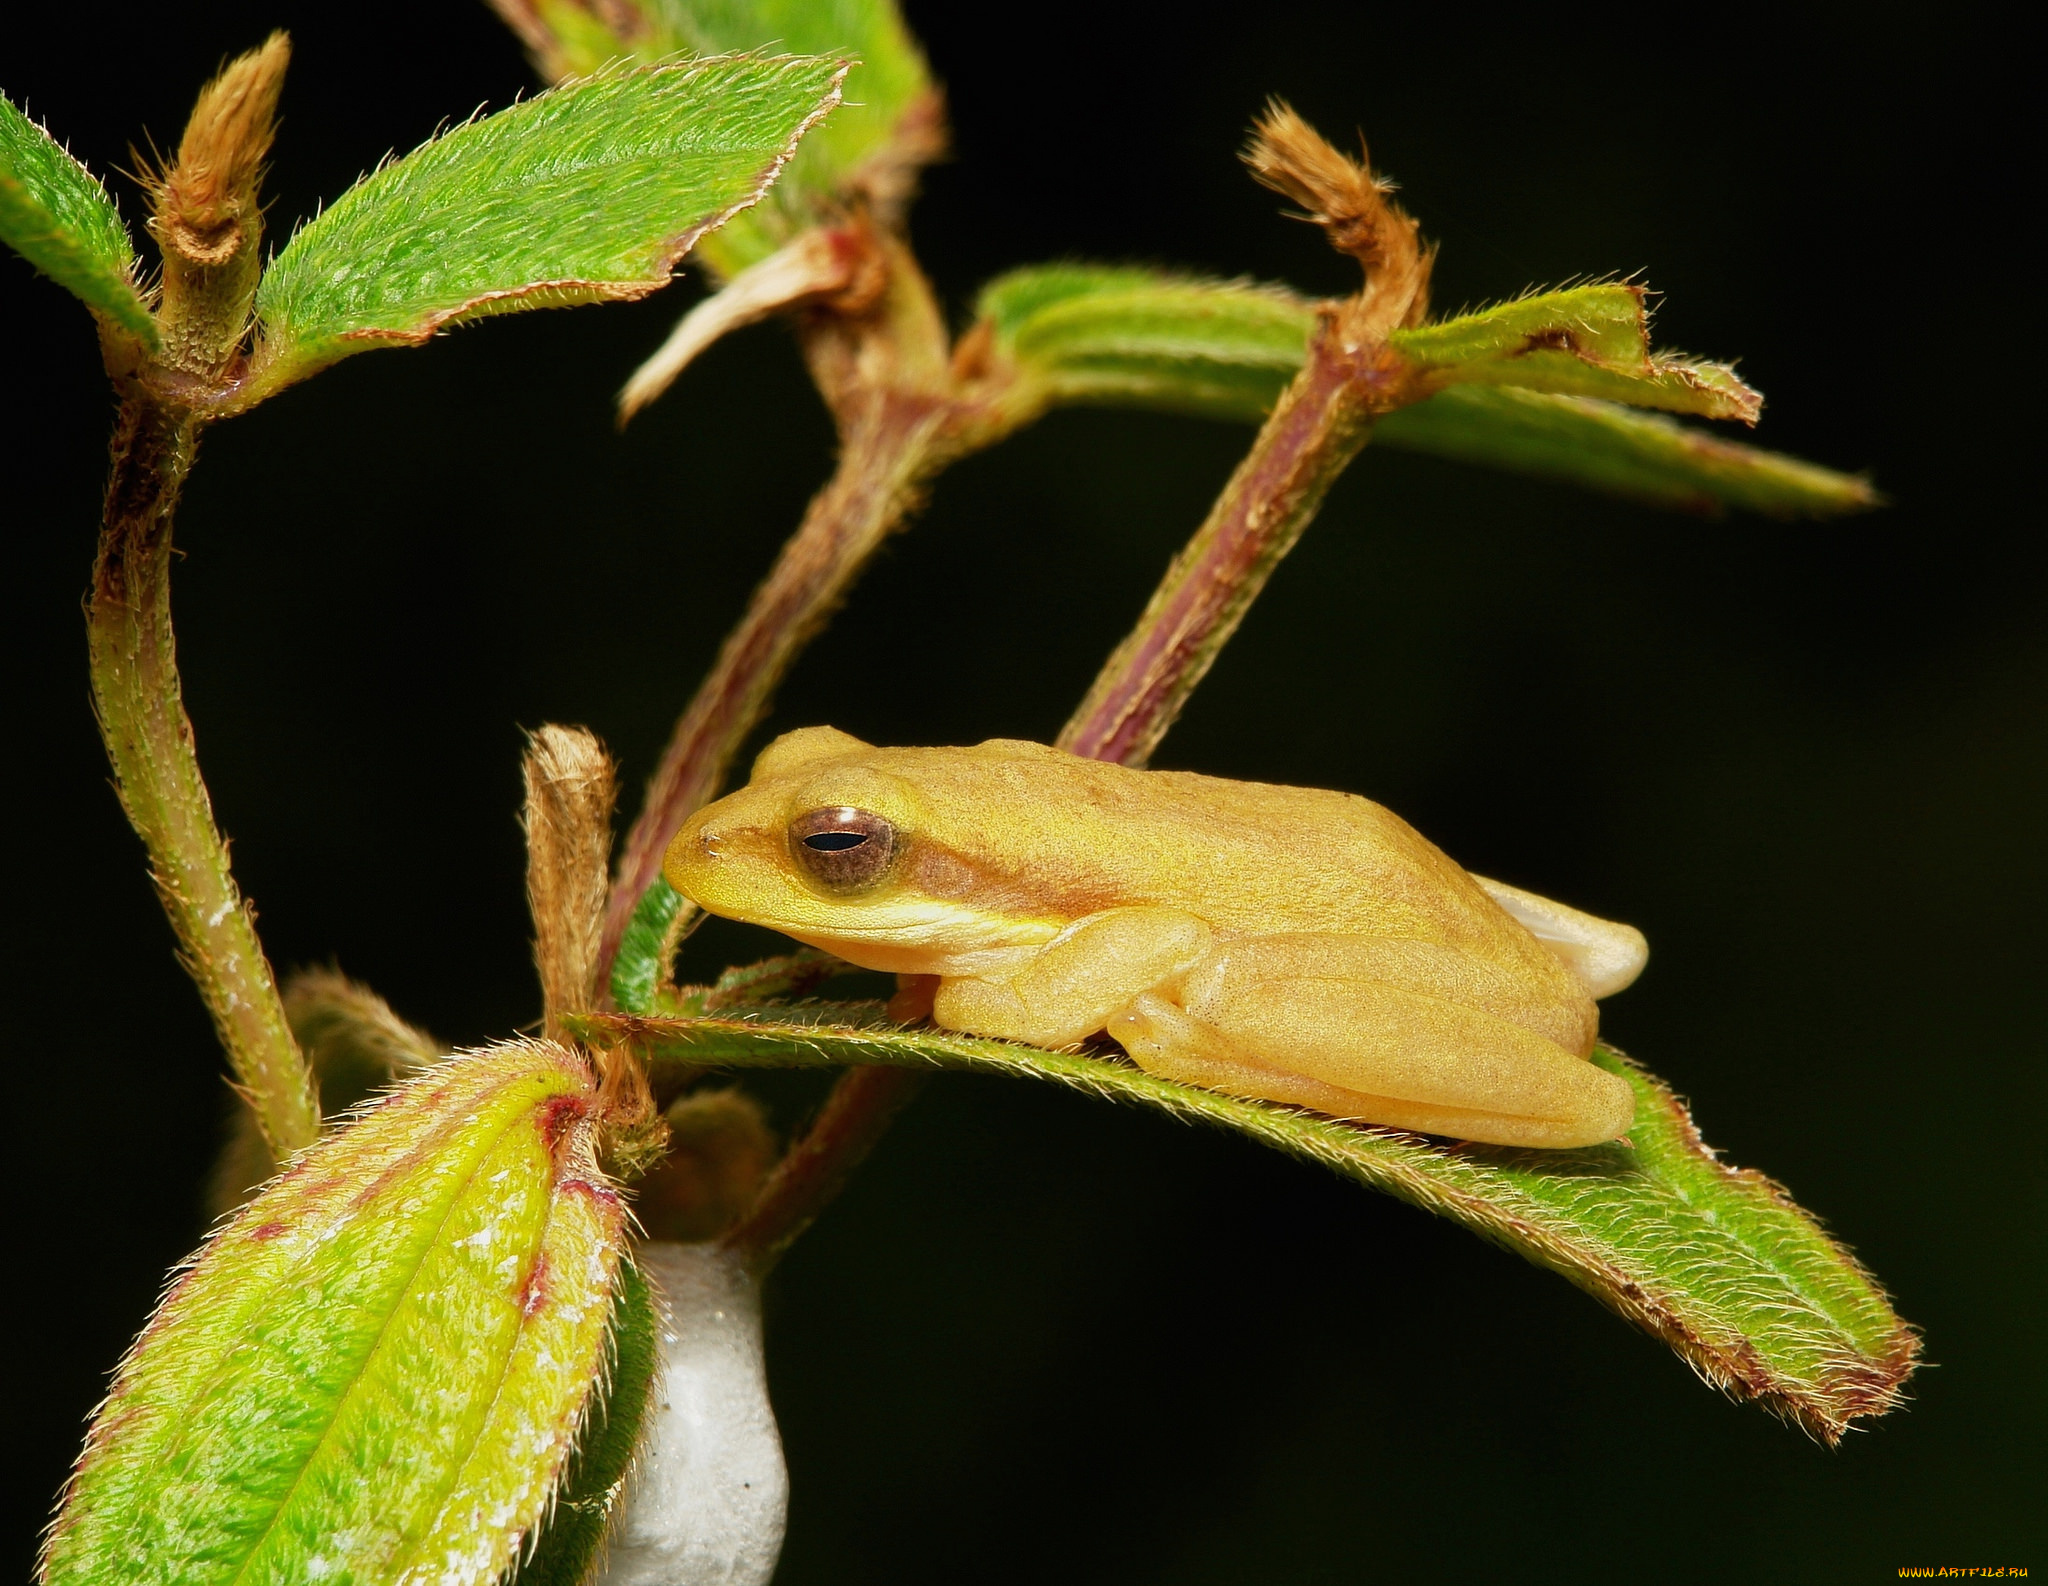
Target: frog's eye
(843, 848)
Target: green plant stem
(1322, 421)
(142, 718)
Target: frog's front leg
(1069, 989)
(1389, 1033)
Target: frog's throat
(926, 937)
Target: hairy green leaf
(637, 970)
(575, 1531)
(588, 193)
(55, 214)
(889, 121)
(1143, 338)
(374, 1372)
(1589, 341)
(1716, 1261)
(889, 101)
(1126, 337)
(1643, 456)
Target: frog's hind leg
(1280, 1019)
(1165, 1040)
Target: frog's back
(1249, 857)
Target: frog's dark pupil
(843, 849)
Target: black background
(1043, 1339)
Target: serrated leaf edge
(270, 374)
(673, 249)
(132, 314)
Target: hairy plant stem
(1350, 377)
(140, 705)
(1322, 421)
(885, 454)
(858, 1110)
(879, 356)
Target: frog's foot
(1377, 1053)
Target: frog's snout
(690, 852)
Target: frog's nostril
(709, 842)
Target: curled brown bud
(1349, 201)
(207, 205)
(207, 211)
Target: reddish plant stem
(1322, 421)
(1325, 416)
(879, 357)
(861, 1105)
(140, 704)
(885, 453)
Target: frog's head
(851, 848)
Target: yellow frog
(1279, 943)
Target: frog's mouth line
(932, 923)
